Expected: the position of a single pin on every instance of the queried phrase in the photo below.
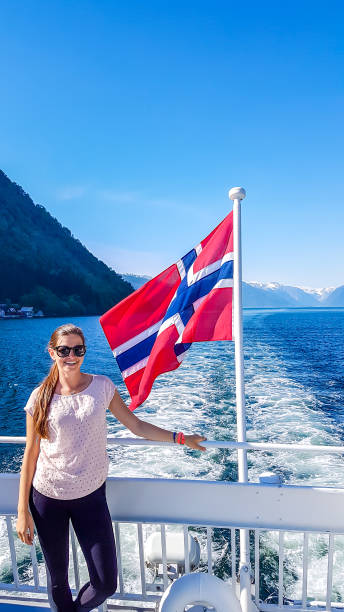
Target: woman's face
(71, 362)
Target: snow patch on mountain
(320, 293)
(257, 294)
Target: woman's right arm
(28, 469)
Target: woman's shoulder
(103, 380)
(104, 386)
(31, 401)
(34, 392)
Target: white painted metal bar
(23, 588)
(27, 588)
(329, 571)
(119, 557)
(256, 565)
(135, 597)
(239, 505)
(237, 194)
(12, 551)
(186, 549)
(320, 607)
(305, 569)
(280, 567)
(209, 550)
(233, 555)
(245, 571)
(142, 558)
(163, 551)
(75, 559)
(259, 446)
(34, 564)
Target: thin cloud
(111, 195)
(71, 192)
(166, 203)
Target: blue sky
(131, 120)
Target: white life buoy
(201, 589)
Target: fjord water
(294, 374)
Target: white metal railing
(213, 511)
(262, 446)
(211, 560)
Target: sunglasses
(64, 351)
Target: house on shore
(13, 311)
(27, 311)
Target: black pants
(92, 524)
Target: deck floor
(38, 606)
(14, 603)
(9, 607)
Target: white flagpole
(237, 194)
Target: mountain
(274, 295)
(254, 296)
(135, 281)
(321, 294)
(336, 298)
(277, 295)
(43, 265)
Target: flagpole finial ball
(237, 193)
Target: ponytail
(42, 402)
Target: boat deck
(38, 606)
(16, 607)
(19, 608)
(284, 519)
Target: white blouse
(74, 462)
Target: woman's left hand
(194, 440)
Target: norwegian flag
(151, 330)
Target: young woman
(65, 466)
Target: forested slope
(43, 265)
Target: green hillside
(43, 265)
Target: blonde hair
(47, 388)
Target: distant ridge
(275, 295)
(336, 298)
(135, 281)
(43, 265)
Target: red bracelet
(180, 438)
